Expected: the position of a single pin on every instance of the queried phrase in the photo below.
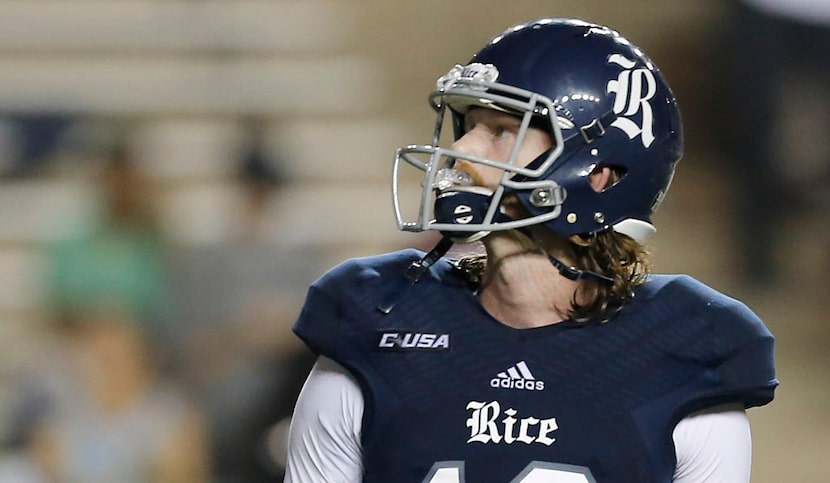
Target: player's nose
(472, 142)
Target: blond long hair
(614, 255)
(608, 253)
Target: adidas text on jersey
(517, 376)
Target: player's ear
(601, 178)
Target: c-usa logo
(407, 340)
(633, 89)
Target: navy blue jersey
(451, 394)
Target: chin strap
(567, 271)
(416, 270)
(573, 273)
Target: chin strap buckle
(592, 131)
(596, 128)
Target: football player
(553, 356)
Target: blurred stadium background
(188, 167)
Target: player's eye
(505, 130)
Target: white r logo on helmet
(633, 89)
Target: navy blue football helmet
(603, 102)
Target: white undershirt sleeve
(324, 439)
(713, 446)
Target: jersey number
(535, 472)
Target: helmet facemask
(449, 201)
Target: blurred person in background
(105, 411)
(235, 301)
(777, 108)
(118, 259)
(114, 418)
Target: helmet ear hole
(615, 175)
(604, 177)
